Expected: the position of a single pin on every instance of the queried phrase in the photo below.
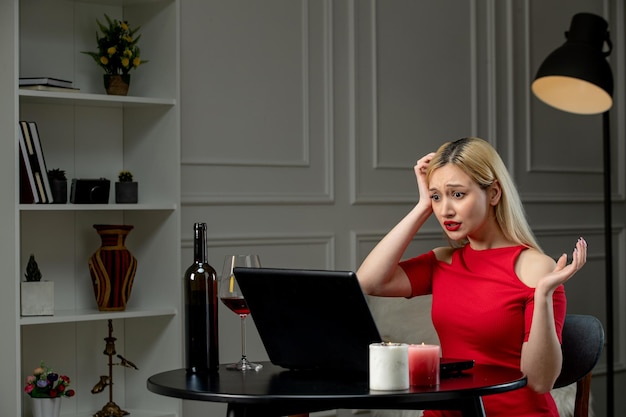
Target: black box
(90, 191)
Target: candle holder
(111, 409)
(389, 366)
(424, 363)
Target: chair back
(582, 343)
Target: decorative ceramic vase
(112, 268)
(116, 85)
(46, 407)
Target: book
(54, 82)
(40, 158)
(33, 159)
(28, 188)
(40, 87)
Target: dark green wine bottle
(201, 321)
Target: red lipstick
(451, 226)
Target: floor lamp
(577, 78)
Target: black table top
(289, 392)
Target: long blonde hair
(480, 161)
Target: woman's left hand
(562, 271)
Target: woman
(497, 298)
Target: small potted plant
(37, 296)
(58, 184)
(126, 190)
(46, 388)
(117, 54)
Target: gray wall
(301, 122)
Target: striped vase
(112, 268)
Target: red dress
(482, 311)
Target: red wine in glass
(231, 296)
(237, 305)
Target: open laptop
(310, 319)
(314, 319)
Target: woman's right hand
(379, 274)
(420, 169)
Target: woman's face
(460, 205)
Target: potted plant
(37, 296)
(117, 54)
(126, 190)
(58, 184)
(46, 387)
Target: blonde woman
(497, 298)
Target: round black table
(275, 391)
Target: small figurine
(33, 274)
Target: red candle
(424, 364)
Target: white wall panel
(258, 125)
(415, 75)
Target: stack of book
(34, 183)
(47, 84)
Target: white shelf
(87, 99)
(100, 207)
(71, 316)
(90, 134)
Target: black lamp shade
(576, 77)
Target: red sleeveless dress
(482, 311)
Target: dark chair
(583, 340)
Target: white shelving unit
(91, 135)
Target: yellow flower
(117, 50)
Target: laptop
(310, 319)
(316, 319)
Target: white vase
(46, 407)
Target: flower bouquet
(45, 383)
(118, 52)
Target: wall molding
(268, 240)
(357, 194)
(316, 157)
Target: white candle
(389, 366)
(424, 364)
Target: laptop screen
(310, 319)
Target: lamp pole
(577, 78)
(608, 249)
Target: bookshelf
(91, 135)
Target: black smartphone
(450, 366)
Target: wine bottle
(200, 289)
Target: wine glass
(231, 296)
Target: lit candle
(389, 366)
(424, 364)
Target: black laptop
(310, 319)
(314, 319)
